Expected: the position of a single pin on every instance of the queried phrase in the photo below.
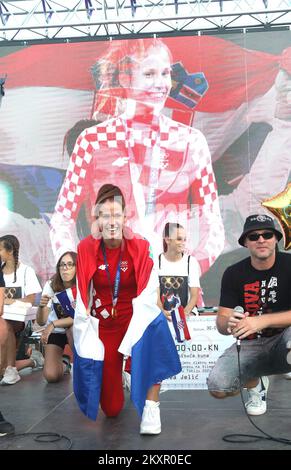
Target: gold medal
(113, 312)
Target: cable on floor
(44, 437)
(249, 438)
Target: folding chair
(26, 337)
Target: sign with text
(198, 355)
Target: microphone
(238, 309)
(288, 345)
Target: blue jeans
(261, 356)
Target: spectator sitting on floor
(21, 284)
(5, 427)
(58, 331)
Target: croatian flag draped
(148, 339)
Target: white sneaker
(151, 420)
(25, 371)
(287, 376)
(10, 376)
(257, 403)
(37, 358)
(126, 381)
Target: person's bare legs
(153, 393)
(53, 369)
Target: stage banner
(198, 355)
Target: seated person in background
(58, 331)
(21, 284)
(178, 273)
(255, 307)
(5, 426)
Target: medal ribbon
(116, 285)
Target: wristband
(53, 324)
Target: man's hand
(234, 320)
(248, 326)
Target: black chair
(24, 338)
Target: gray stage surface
(191, 419)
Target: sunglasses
(254, 237)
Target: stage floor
(191, 419)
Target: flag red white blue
(67, 299)
(148, 339)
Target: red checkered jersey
(127, 154)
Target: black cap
(258, 222)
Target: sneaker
(151, 420)
(257, 404)
(5, 427)
(10, 376)
(287, 376)
(37, 358)
(25, 371)
(67, 362)
(126, 380)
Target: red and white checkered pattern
(108, 152)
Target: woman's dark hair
(57, 283)
(109, 192)
(168, 230)
(73, 133)
(11, 243)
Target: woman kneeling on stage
(117, 295)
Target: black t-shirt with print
(174, 289)
(258, 292)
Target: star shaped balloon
(280, 206)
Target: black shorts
(59, 339)
(18, 326)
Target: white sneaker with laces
(257, 403)
(37, 358)
(10, 376)
(151, 419)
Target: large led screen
(194, 130)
